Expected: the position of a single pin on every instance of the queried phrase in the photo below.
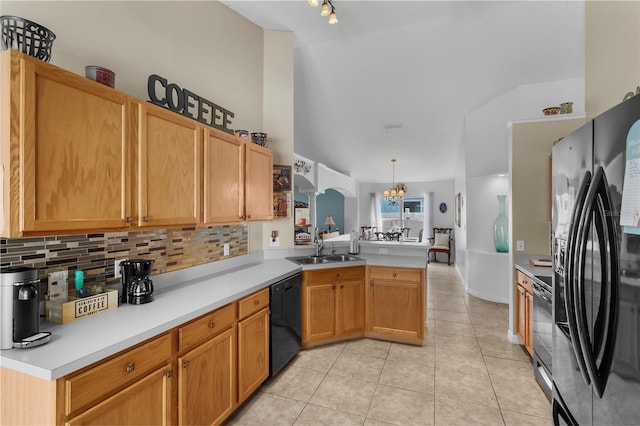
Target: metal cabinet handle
(145, 218)
(185, 364)
(341, 285)
(256, 302)
(395, 275)
(333, 287)
(170, 373)
(371, 283)
(128, 220)
(212, 324)
(131, 367)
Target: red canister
(101, 75)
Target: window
(414, 204)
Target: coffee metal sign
(91, 306)
(187, 103)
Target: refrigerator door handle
(560, 412)
(571, 282)
(599, 354)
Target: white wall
(484, 153)
(202, 46)
(278, 124)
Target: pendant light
(333, 19)
(394, 194)
(325, 9)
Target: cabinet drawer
(350, 273)
(524, 281)
(207, 326)
(93, 384)
(396, 274)
(253, 303)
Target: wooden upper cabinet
(259, 183)
(78, 156)
(73, 169)
(223, 172)
(169, 150)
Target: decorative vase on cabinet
(501, 227)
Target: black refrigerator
(596, 280)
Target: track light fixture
(327, 9)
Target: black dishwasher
(285, 330)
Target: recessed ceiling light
(390, 126)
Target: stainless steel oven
(543, 332)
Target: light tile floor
(467, 373)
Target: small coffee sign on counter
(76, 308)
(185, 102)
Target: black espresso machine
(137, 288)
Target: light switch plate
(274, 242)
(520, 245)
(226, 249)
(116, 268)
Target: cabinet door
(396, 311)
(168, 168)
(318, 313)
(528, 322)
(223, 178)
(521, 304)
(253, 353)
(74, 168)
(258, 183)
(146, 402)
(207, 381)
(350, 308)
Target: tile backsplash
(171, 249)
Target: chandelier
(394, 194)
(326, 10)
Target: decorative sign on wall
(187, 103)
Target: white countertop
(80, 343)
(180, 296)
(522, 264)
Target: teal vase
(501, 227)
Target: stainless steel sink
(308, 260)
(314, 260)
(341, 258)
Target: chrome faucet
(318, 242)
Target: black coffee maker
(137, 288)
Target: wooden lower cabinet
(197, 373)
(524, 311)
(332, 305)
(253, 342)
(146, 402)
(395, 304)
(207, 381)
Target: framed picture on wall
(281, 178)
(282, 204)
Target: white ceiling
(421, 64)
